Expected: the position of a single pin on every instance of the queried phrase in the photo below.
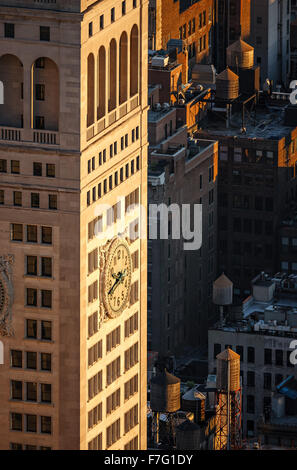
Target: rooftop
(270, 310)
(157, 113)
(266, 124)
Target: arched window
(134, 61)
(12, 76)
(123, 67)
(112, 74)
(91, 90)
(46, 94)
(101, 82)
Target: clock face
(117, 279)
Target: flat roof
(268, 124)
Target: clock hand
(119, 280)
(117, 277)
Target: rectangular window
(101, 22)
(251, 354)
(45, 33)
(46, 393)
(95, 353)
(46, 267)
(17, 232)
(90, 29)
(35, 200)
(15, 167)
(113, 401)
(31, 360)
(113, 433)
(95, 417)
(17, 198)
(131, 357)
(267, 356)
(50, 170)
(31, 329)
(1, 197)
(123, 7)
(267, 381)
(16, 420)
(250, 378)
(39, 122)
(95, 385)
(31, 423)
(16, 389)
(32, 265)
(37, 169)
(131, 387)
(39, 92)
(31, 391)
(8, 30)
(112, 15)
(113, 339)
(131, 418)
(32, 233)
(46, 298)
(45, 361)
(16, 358)
(46, 330)
(32, 297)
(45, 424)
(3, 166)
(113, 371)
(46, 235)
(52, 202)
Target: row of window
(15, 168)
(35, 200)
(39, 266)
(30, 391)
(113, 180)
(32, 360)
(189, 29)
(38, 298)
(18, 446)
(113, 339)
(31, 234)
(245, 225)
(276, 357)
(31, 423)
(113, 214)
(113, 432)
(248, 155)
(113, 371)
(112, 17)
(44, 32)
(93, 292)
(38, 329)
(96, 443)
(113, 149)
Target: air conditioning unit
(160, 61)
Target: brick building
(256, 184)
(179, 281)
(232, 22)
(190, 21)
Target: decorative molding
(6, 295)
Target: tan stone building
(73, 136)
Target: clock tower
(73, 160)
